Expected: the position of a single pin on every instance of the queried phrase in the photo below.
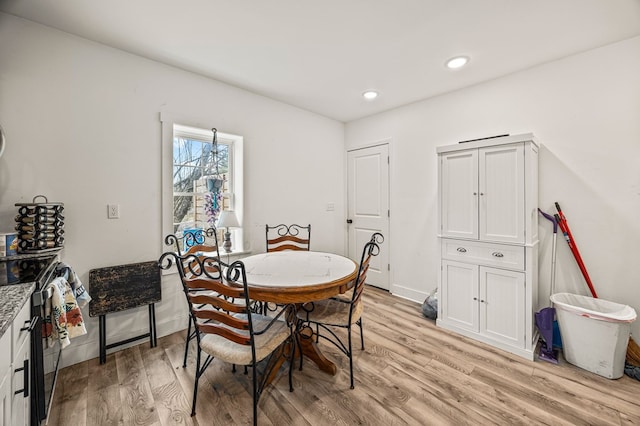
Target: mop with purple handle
(546, 316)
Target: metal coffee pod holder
(40, 226)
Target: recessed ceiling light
(370, 94)
(457, 62)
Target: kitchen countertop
(12, 299)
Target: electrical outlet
(113, 211)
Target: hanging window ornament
(213, 198)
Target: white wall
(585, 111)
(83, 128)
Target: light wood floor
(410, 373)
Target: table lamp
(227, 220)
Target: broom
(633, 353)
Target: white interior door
(368, 207)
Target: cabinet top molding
(525, 137)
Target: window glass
(202, 179)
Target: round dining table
(298, 277)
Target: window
(203, 180)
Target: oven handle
(41, 296)
(25, 368)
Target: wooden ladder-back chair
(342, 312)
(201, 243)
(225, 325)
(288, 237)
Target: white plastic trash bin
(595, 332)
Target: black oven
(45, 357)
(45, 352)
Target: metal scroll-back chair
(202, 244)
(341, 312)
(288, 237)
(226, 328)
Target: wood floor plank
(210, 412)
(138, 405)
(172, 406)
(72, 402)
(102, 375)
(312, 398)
(411, 373)
(104, 407)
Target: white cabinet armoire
(488, 233)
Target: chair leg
(291, 356)
(361, 333)
(298, 337)
(195, 386)
(186, 344)
(350, 354)
(255, 395)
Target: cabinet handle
(475, 193)
(497, 254)
(31, 326)
(475, 298)
(461, 250)
(25, 390)
(482, 193)
(482, 301)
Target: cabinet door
(5, 398)
(501, 187)
(21, 407)
(459, 194)
(502, 303)
(459, 294)
(5, 378)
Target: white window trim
(168, 121)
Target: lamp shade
(228, 219)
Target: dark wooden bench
(122, 287)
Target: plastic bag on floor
(632, 371)
(430, 305)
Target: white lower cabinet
(485, 293)
(5, 380)
(459, 295)
(484, 300)
(15, 379)
(5, 400)
(501, 302)
(21, 407)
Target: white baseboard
(408, 293)
(526, 352)
(80, 351)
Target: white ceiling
(321, 55)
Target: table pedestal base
(310, 349)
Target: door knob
(349, 221)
